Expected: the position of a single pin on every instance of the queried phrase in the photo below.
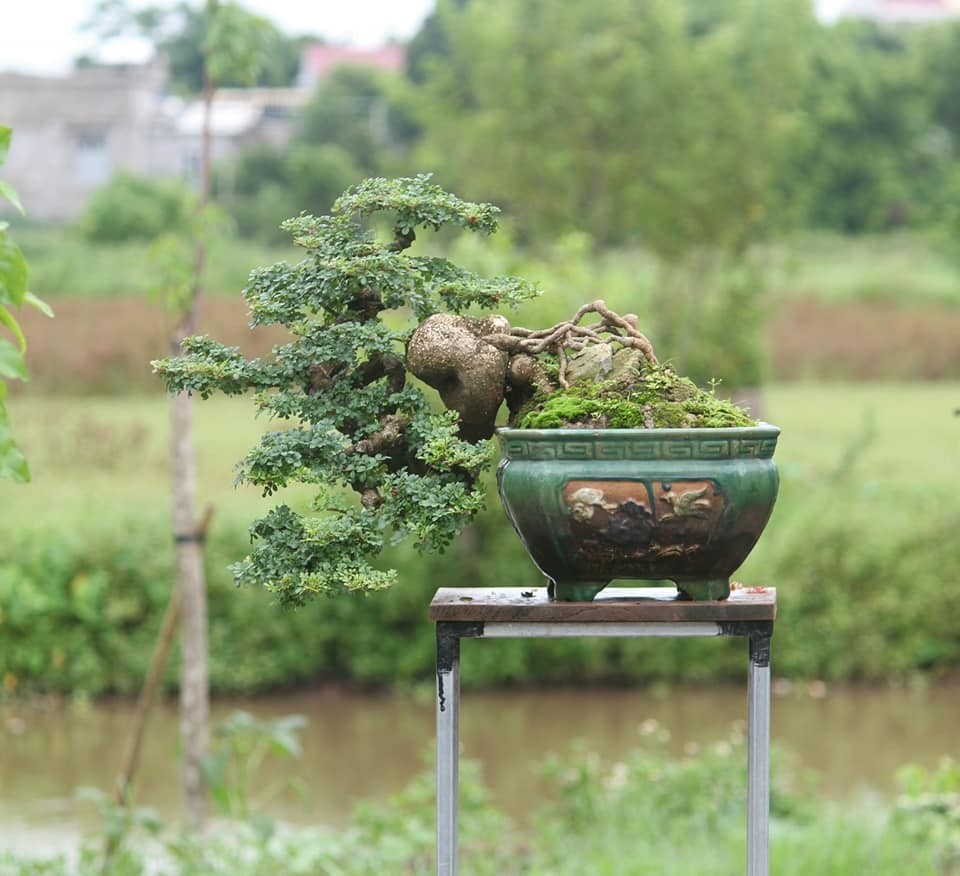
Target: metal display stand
(511, 612)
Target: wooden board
(617, 604)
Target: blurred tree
(429, 46)
(940, 53)
(627, 119)
(358, 123)
(234, 44)
(867, 150)
(185, 51)
(646, 120)
(361, 110)
(132, 206)
(180, 32)
(269, 184)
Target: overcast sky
(44, 36)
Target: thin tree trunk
(130, 760)
(194, 690)
(194, 687)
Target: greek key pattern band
(641, 449)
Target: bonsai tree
(371, 324)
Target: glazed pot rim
(764, 430)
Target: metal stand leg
(758, 757)
(448, 748)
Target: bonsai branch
(402, 239)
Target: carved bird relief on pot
(657, 520)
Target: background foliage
(859, 548)
(779, 191)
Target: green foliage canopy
(631, 118)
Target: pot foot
(709, 589)
(574, 591)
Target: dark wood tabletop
(615, 604)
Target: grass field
(907, 267)
(89, 452)
(64, 265)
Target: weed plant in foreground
(644, 815)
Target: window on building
(192, 159)
(91, 161)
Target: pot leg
(574, 591)
(708, 589)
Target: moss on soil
(654, 397)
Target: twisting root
(570, 335)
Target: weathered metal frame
(449, 634)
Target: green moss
(654, 398)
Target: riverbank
(639, 782)
(359, 746)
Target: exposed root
(572, 336)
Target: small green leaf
(10, 193)
(13, 273)
(5, 136)
(13, 464)
(39, 303)
(7, 319)
(11, 362)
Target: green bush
(131, 207)
(80, 611)
(928, 810)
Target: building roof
(897, 11)
(236, 110)
(318, 60)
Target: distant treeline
(680, 124)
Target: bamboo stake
(130, 760)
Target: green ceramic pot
(594, 505)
